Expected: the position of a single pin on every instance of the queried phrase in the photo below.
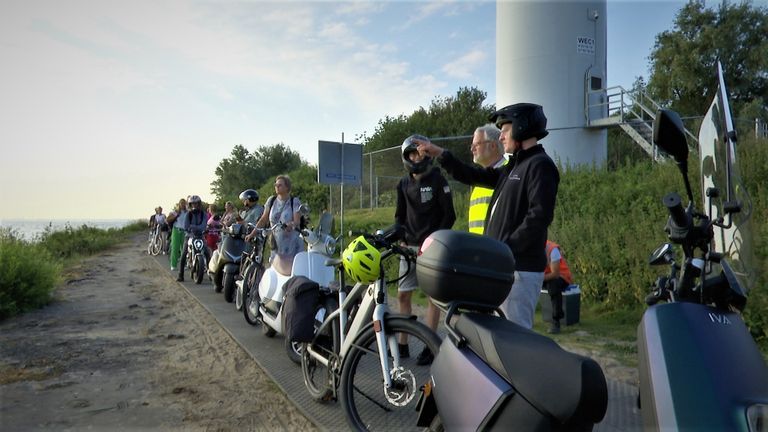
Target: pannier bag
(301, 299)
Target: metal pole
(341, 246)
(370, 177)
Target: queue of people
(188, 218)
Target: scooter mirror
(669, 135)
(304, 210)
(664, 254)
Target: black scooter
(699, 367)
(491, 373)
(225, 262)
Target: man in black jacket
(523, 202)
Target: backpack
(303, 223)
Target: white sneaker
(173, 268)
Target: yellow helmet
(361, 261)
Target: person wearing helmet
(523, 202)
(196, 221)
(424, 205)
(253, 210)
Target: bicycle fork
(385, 345)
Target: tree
(244, 170)
(451, 116)
(683, 59)
(232, 173)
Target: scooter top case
(510, 378)
(699, 368)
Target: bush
(28, 275)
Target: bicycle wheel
(318, 378)
(251, 291)
(156, 245)
(367, 404)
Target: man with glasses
(487, 152)
(196, 221)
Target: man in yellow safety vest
(488, 152)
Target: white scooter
(311, 264)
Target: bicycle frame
(372, 310)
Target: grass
(31, 270)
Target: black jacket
(424, 206)
(523, 202)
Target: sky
(110, 108)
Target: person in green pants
(177, 235)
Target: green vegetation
(29, 271)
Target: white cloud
(465, 66)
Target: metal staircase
(633, 111)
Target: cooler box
(571, 305)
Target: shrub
(28, 275)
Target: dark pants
(555, 288)
(184, 248)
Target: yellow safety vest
(479, 201)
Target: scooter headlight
(330, 246)
(197, 243)
(757, 418)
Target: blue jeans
(520, 304)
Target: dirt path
(125, 347)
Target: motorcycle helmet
(527, 120)
(410, 146)
(361, 261)
(250, 195)
(194, 199)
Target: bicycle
(377, 391)
(156, 241)
(252, 269)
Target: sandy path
(125, 347)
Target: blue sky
(111, 107)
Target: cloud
(465, 66)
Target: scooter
(310, 263)
(490, 373)
(225, 261)
(699, 367)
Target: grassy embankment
(30, 270)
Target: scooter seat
(569, 387)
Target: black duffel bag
(301, 299)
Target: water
(30, 229)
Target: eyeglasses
(481, 142)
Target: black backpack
(302, 222)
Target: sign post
(340, 163)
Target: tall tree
(683, 59)
(232, 173)
(244, 169)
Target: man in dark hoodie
(523, 202)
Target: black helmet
(410, 146)
(250, 195)
(527, 120)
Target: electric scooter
(225, 262)
(490, 373)
(699, 367)
(311, 264)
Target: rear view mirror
(669, 135)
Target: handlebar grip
(674, 205)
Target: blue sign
(339, 163)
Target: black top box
(457, 266)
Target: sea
(30, 229)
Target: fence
(383, 169)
